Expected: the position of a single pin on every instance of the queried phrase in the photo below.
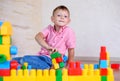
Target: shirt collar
(61, 29)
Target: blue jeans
(37, 62)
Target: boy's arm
(41, 41)
(70, 55)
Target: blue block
(103, 64)
(82, 66)
(1, 23)
(96, 66)
(65, 58)
(13, 50)
(5, 65)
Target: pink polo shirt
(61, 40)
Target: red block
(74, 69)
(115, 66)
(13, 64)
(103, 72)
(103, 54)
(59, 59)
(4, 72)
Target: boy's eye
(58, 15)
(65, 16)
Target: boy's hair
(61, 7)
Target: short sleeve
(46, 31)
(71, 39)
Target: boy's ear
(52, 19)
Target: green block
(58, 75)
(103, 78)
(0, 39)
(24, 67)
(61, 64)
(55, 55)
(1, 78)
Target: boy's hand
(52, 50)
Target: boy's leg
(37, 62)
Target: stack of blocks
(57, 60)
(5, 48)
(75, 72)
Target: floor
(116, 72)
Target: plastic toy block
(2, 58)
(4, 72)
(56, 66)
(1, 23)
(115, 66)
(5, 49)
(103, 72)
(65, 58)
(58, 75)
(110, 76)
(96, 66)
(0, 39)
(74, 68)
(103, 78)
(103, 64)
(103, 54)
(1, 78)
(6, 39)
(13, 50)
(6, 29)
(85, 66)
(61, 64)
(14, 64)
(55, 55)
(59, 59)
(46, 75)
(64, 75)
(82, 66)
(54, 61)
(5, 65)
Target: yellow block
(6, 39)
(5, 50)
(65, 75)
(6, 29)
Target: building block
(64, 75)
(61, 64)
(55, 55)
(103, 54)
(103, 78)
(103, 64)
(74, 68)
(14, 64)
(58, 75)
(6, 28)
(1, 23)
(115, 66)
(5, 49)
(6, 40)
(0, 40)
(13, 50)
(5, 65)
(2, 58)
(4, 72)
(103, 72)
(1, 78)
(59, 59)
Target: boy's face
(60, 18)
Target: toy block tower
(6, 50)
(104, 64)
(57, 60)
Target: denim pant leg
(38, 62)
